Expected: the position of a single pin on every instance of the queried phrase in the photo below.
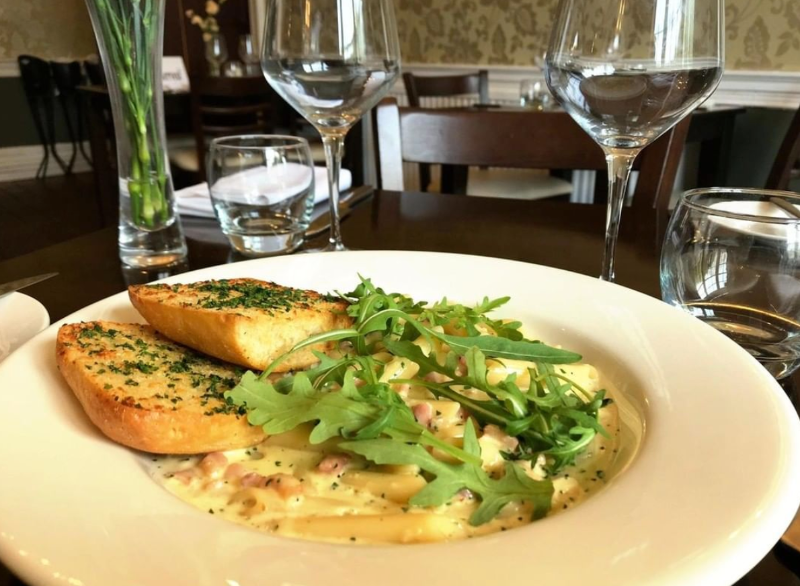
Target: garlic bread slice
(244, 321)
(147, 392)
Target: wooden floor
(39, 213)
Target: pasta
(293, 487)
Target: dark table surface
(557, 234)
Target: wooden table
(567, 236)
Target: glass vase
(130, 36)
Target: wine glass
(216, 54)
(332, 60)
(248, 55)
(629, 70)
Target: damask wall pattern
(51, 29)
(761, 34)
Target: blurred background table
(557, 234)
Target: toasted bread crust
(145, 392)
(244, 321)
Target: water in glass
(629, 71)
(732, 259)
(332, 60)
(262, 188)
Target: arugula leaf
(492, 346)
(496, 347)
(515, 485)
(331, 336)
(427, 363)
(370, 411)
(554, 417)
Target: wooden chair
(224, 106)
(514, 139)
(444, 86)
(419, 86)
(788, 155)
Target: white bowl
(715, 483)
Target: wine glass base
(331, 247)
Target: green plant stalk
(129, 36)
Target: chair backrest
(223, 106)
(36, 77)
(515, 139)
(444, 86)
(94, 72)
(419, 86)
(788, 154)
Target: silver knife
(322, 223)
(22, 283)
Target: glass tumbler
(534, 94)
(731, 257)
(262, 189)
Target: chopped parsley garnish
(226, 294)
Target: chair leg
(36, 112)
(41, 172)
(82, 131)
(70, 132)
(49, 112)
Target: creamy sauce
(287, 486)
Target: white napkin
(261, 185)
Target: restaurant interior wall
(762, 35)
(509, 37)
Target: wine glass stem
(620, 162)
(334, 144)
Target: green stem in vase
(129, 28)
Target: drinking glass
(249, 56)
(533, 94)
(216, 54)
(262, 189)
(629, 70)
(233, 69)
(731, 257)
(332, 60)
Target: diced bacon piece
(254, 479)
(436, 377)
(401, 388)
(461, 369)
(185, 476)
(423, 413)
(508, 443)
(285, 484)
(235, 471)
(214, 485)
(333, 463)
(214, 464)
(464, 494)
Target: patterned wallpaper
(761, 34)
(46, 28)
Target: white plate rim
(715, 566)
